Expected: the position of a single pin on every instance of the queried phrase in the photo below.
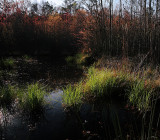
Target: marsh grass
(73, 95)
(146, 129)
(140, 94)
(7, 63)
(77, 60)
(138, 89)
(7, 94)
(32, 98)
(28, 97)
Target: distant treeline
(131, 29)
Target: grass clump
(32, 98)
(72, 95)
(140, 94)
(99, 82)
(109, 82)
(7, 63)
(7, 94)
(28, 99)
(77, 60)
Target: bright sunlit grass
(73, 95)
(108, 82)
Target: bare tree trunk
(110, 15)
(140, 12)
(120, 18)
(157, 9)
(103, 26)
(4, 7)
(156, 49)
(120, 10)
(149, 29)
(131, 10)
(150, 12)
(145, 25)
(140, 23)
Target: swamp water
(92, 121)
(101, 120)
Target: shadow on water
(55, 72)
(53, 124)
(92, 121)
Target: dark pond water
(90, 122)
(53, 124)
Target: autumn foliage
(52, 34)
(97, 33)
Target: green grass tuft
(7, 94)
(32, 98)
(140, 95)
(7, 63)
(72, 95)
(77, 60)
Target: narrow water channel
(90, 122)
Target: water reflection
(92, 121)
